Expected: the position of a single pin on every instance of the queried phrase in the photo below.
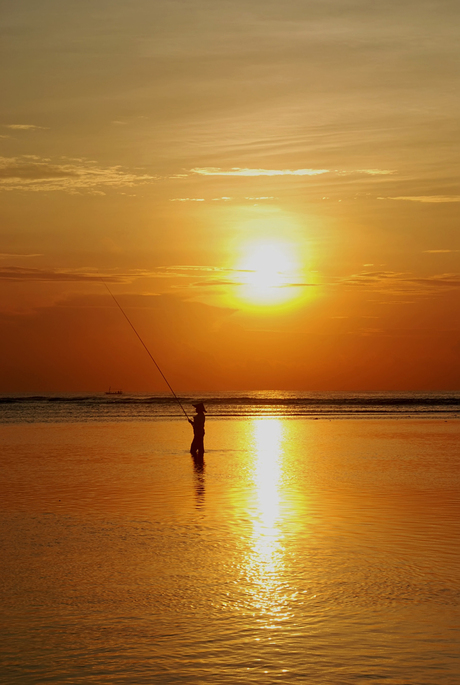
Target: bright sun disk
(269, 273)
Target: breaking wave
(134, 407)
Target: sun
(269, 274)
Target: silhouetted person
(197, 447)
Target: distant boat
(113, 392)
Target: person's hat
(199, 407)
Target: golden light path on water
(265, 563)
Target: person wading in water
(197, 447)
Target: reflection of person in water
(197, 447)
(198, 468)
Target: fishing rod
(146, 349)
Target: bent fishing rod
(146, 349)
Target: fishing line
(146, 348)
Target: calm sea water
(305, 549)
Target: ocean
(119, 406)
(317, 541)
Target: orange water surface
(299, 551)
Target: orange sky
(270, 189)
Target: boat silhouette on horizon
(113, 392)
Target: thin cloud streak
(26, 127)
(17, 273)
(13, 255)
(25, 274)
(237, 171)
(425, 198)
(38, 174)
(376, 172)
(391, 281)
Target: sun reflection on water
(265, 563)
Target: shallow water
(300, 551)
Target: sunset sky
(270, 189)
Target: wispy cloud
(13, 255)
(425, 198)
(385, 281)
(26, 127)
(185, 276)
(186, 269)
(298, 285)
(441, 280)
(213, 282)
(16, 273)
(439, 251)
(224, 198)
(371, 278)
(32, 173)
(237, 171)
(376, 172)
(187, 199)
